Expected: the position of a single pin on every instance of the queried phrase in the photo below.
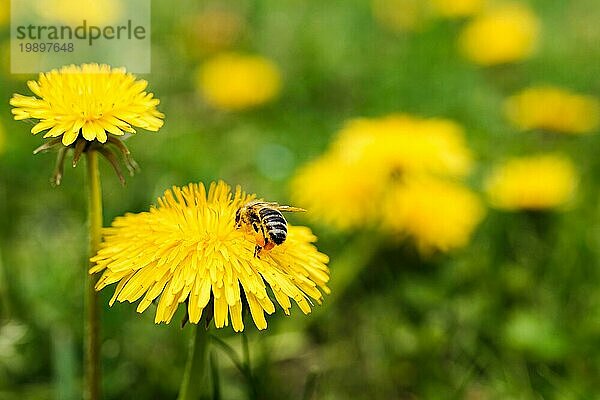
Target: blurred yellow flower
(457, 8)
(338, 193)
(504, 34)
(346, 186)
(438, 214)
(235, 81)
(400, 15)
(4, 12)
(553, 109)
(74, 12)
(532, 183)
(90, 99)
(187, 250)
(403, 143)
(215, 30)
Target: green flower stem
(214, 376)
(252, 389)
(192, 384)
(231, 353)
(243, 367)
(92, 328)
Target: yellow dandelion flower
(187, 250)
(403, 143)
(553, 109)
(504, 34)
(437, 214)
(4, 12)
(92, 100)
(457, 8)
(532, 183)
(343, 188)
(338, 193)
(235, 81)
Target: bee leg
(257, 250)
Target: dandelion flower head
(233, 81)
(536, 182)
(187, 250)
(438, 214)
(404, 143)
(337, 192)
(345, 187)
(503, 34)
(554, 109)
(90, 100)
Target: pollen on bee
(268, 246)
(260, 240)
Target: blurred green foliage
(514, 315)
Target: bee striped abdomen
(275, 224)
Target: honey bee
(266, 221)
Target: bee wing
(260, 203)
(290, 209)
(276, 206)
